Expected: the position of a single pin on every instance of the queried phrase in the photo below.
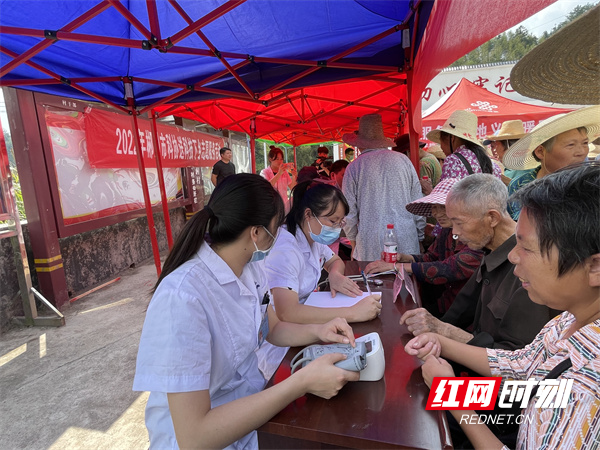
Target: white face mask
(259, 255)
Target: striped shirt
(578, 425)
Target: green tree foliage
(305, 154)
(18, 195)
(14, 174)
(259, 153)
(577, 11)
(513, 45)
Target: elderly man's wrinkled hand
(419, 321)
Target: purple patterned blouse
(454, 168)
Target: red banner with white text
(111, 144)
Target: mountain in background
(512, 46)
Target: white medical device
(367, 357)
(375, 357)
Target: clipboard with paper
(404, 286)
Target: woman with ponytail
(301, 252)
(209, 314)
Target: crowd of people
(510, 278)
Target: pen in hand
(366, 282)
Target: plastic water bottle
(390, 244)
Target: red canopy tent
(308, 115)
(137, 56)
(491, 109)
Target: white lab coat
(294, 264)
(201, 333)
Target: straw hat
(520, 155)
(511, 129)
(462, 124)
(436, 151)
(422, 206)
(566, 67)
(369, 134)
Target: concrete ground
(70, 387)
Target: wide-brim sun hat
(461, 123)
(510, 129)
(565, 68)
(369, 135)
(422, 206)
(520, 155)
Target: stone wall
(10, 299)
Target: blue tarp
(313, 30)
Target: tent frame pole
(161, 181)
(252, 152)
(128, 85)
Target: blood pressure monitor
(375, 357)
(367, 357)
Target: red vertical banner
(4, 177)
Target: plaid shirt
(578, 425)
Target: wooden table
(389, 413)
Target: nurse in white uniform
(301, 251)
(209, 314)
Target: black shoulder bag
(466, 163)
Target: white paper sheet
(324, 300)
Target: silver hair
(479, 193)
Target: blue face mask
(327, 236)
(259, 255)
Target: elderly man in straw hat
(378, 185)
(554, 143)
(464, 153)
(565, 69)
